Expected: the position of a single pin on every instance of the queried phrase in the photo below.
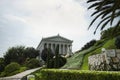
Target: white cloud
(10, 17)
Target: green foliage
(109, 44)
(22, 69)
(46, 54)
(56, 59)
(80, 60)
(31, 52)
(3, 74)
(56, 74)
(61, 62)
(19, 54)
(2, 64)
(74, 62)
(12, 68)
(88, 44)
(33, 63)
(106, 10)
(117, 42)
(110, 33)
(38, 75)
(100, 42)
(53, 62)
(15, 54)
(77, 60)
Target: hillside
(80, 60)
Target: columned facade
(65, 45)
(63, 48)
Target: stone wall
(108, 60)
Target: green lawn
(80, 60)
(108, 45)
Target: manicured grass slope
(80, 60)
(108, 45)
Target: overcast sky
(25, 22)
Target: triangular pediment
(57, 39)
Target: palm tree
(107, 10)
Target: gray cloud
(25, 22)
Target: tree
(56, 61)
(19, 54)
(107, 10)
(33, 63)
(30, 52)
(88, 44)
(15, 54)
(2, 64)
(47, 54)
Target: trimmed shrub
(55, 74)
(13, 66)
(32, 63)
(11, 69)
(61, 62)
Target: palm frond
(108, 10)
(91, 1)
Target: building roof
(56, 38)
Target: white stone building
(65, 45)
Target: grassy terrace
(80, 60)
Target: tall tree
(47, 54)
(107, 10)
(19, 54)
(56, 62)
(15, 54)
(31, 52)
(2, 64)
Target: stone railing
(107, 60)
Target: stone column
(66, 49)
(52, 47)
(70, 49)
(47, 45)
(63, 49)
(59, 48)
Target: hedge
(56, 74)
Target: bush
(55, 74)
(61, 62)
(11, 69)
(100, 42)
(13, 66)
(32, 63)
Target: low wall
(108, 60)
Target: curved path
(19, 76)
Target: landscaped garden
(18, 59)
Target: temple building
(64, 44)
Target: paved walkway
(20, 75)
